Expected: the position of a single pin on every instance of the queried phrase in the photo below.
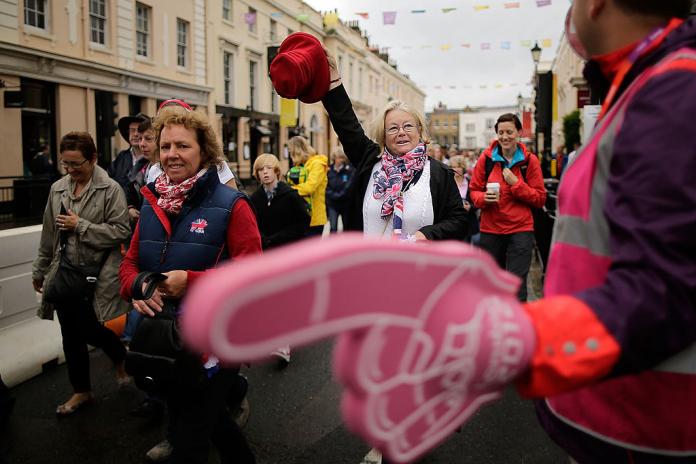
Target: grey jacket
(103, 226)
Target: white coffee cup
(493, 187)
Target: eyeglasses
(408, 128)
(72, 164)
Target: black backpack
(543, 222)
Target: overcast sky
(416, 42)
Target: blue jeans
(333, 219)
(132, 321)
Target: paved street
(294, 419)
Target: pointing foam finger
(313, 290)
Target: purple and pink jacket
(616, 333)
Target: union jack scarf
(396, 174)
(172, 196)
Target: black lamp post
(536, 56)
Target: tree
(571, 130)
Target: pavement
(294, 419)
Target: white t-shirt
(224, 173)
(418, 208)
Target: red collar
(610, 62)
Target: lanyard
(649, 44)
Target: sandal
(66, 409)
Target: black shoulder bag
(70, 282)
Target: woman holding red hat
(397, 190)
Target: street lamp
(536, 56)
(536, 53)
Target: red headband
(175, 101)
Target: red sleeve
(573, 347)
(129, 270)
(477, 186)
(243, 237)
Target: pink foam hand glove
(427, 333)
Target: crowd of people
(167, 209)
(133, 239)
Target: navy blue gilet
(198, 233)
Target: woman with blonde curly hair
(313, 187)
(189, 222)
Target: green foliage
(571, 129)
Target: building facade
(571, 89)
(81, 64)
(443, 125)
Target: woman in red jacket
(507, 182)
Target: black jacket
(121, 167)
(337, 187)
(282, 220)
(450, 217)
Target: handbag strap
(151, 281)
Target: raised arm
(356, 144)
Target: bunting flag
(302, 17)
(505, 45)
(426, 46)
(276, 15)
(448, 10)
(511, 5)
(250, 18)
(331, 19)
(466, 45)
(363, 15)
(481, 7)
(389, 17)
(541, 3)
(485, 46)
(453, 87)
(288, 112)
(445, 47)
(526, 43)
(498, 86)
(438, 87)
(546, 43)
(417, 11)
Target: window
(227, 9)
(227, 73)
(436, 123)
(471, 127)
(313, 131)
(142, 29)
(182, 28)
(274, 101)
(251, 19)
(490, 123)
(35, 13)
(360, 83)
(252, 84)
(274, 30)
(97, 21)
(444, 123)
(350, 77)
(340, 65)
(471, 142)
